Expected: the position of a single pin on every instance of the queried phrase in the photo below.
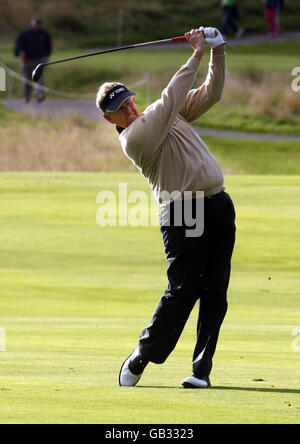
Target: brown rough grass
(74, 144)
(268, 93)
(67, 145)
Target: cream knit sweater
(165, 147)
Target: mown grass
(75, 297)
(245, 119)
(237, 156)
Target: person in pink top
(272, 15)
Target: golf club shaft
(121, 48)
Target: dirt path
(57, 108)
(87, 110)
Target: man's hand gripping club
(197, 38)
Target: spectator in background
(231, 14)
(272, 15)
(33, 46)
(280, 7)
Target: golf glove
(213, 37)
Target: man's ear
(107, 118)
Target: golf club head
(37, 73)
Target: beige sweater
(165, 147)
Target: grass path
(87, 110)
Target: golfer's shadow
(258, 389)
(220, 387)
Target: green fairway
(75, 297)
(238, 156)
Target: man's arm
(20, 46)
(145, 136)
(163, 112)
(200, 100)
(48, 44)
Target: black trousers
(199, 269)
(28, 66)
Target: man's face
(126, 114)
(36, 26)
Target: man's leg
(27, 89)
(226, 21)
(271, 18)
(186, 256)
(215, 280)
(273, 27)
(160, 337)
(190, 261)
(40, 92)
(172, 312)
(233, 15)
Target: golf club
(37, 73)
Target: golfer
(169, 152)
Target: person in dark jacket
(33, 46)
(280, 7)
(231, 15)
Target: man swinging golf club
(167, 150)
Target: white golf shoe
(193, 382)
(126, 377)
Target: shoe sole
(188, 385)
(121, 372)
